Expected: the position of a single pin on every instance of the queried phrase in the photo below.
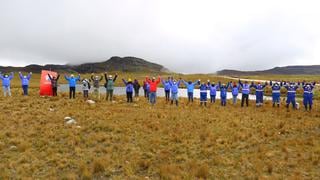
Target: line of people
(171, 88)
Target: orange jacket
(153, 84)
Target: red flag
(45, 83)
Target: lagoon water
(160, 92)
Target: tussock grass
(121, 141)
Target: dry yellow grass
(122, 141)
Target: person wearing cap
(203, 93)
(174, 86)
(136, 87)
(308, 95)
(96, 85)
(259, 92)
(54, 84)
(25, 79)
(245, 92)
(6, 82)
(129, 89)
(167, 86)
(291, 94)
(153, 88)
(86, 86)
(235, 92)
(276, 92)
(109, 85)
(213, 91)
(223, 93)
(72, 84)
(146, 89)
(190, 89)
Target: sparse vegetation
(120, 140)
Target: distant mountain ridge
(286, 70)
(115, 63)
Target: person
(167, 86)
(136, 87)
(223, 93)
(86, 86)
(203, 93)
(72, 84)
(291, 94)
(129, 89)
(153, 88)
(174, 86)
(54, 84)
(190, 89)
(96, 85)
(6, 81)
(213, 92)
(276, 92)
(109, 85)
(308, 95)
(259, 92)
(146, 89)
(235, 92)
(25, 82)
(245, 92)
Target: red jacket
(153, 84)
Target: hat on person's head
(153, 78)
(110, 76)
(129, 80)
(72, 75)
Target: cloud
(185, 36)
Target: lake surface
(160, 92)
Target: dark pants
(146, 94)
(129, 97)
(86, 94)
(25, 90)
(245, 97)
(223, 101)
(136, 92)
(109, 95)
(190, 96)
(212, 98)
(167, 92)
(72, 92)
(54, 91)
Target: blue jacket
(291, 90)
(245, 88)
(308, 90)
(6, 80)
(166, 85)
(235, 90)
(129, 86)
(190, 87)
(223, 90)
(213, 89)
(259, 88)
(174, 86)
(72, 80)
(276, 88)
(25, 80)
(204, 89)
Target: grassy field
(120, 141)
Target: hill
(287, 70)
(125, 64)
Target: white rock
(78, 127)
(51, 109)
(13, 148)
(91, 101)
(71, 121)
(67, 118)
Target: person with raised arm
(129, 89)
(25, 80)
(291, 94)
(223, 93)
(167, 86)
(54, 84)
(96, 85)
(72, 84)
(153, 88)
(213, 92)
(109, 85)
(235, 92)
(245, 88)
(136, 87)
(190, 89)
(146, 89)
(259, 92)
(276, 92)
(308, 95)
(6, 83)
(174, 86)
(86, 86)
(203, 93)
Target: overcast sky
(183, 35)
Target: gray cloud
(185, 36)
